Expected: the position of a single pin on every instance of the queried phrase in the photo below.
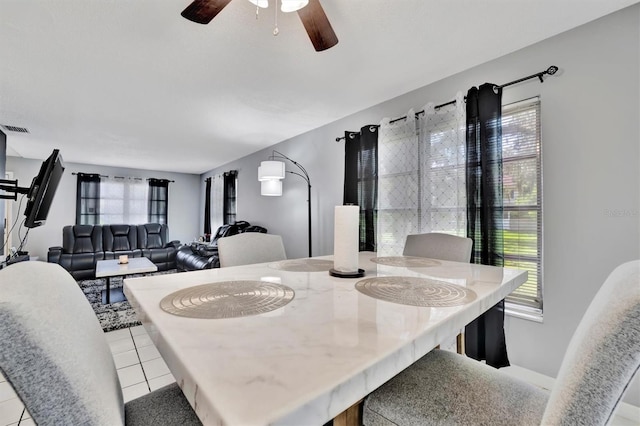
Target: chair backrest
(120, 237)
(439, 246)
(251, 247)
(152, 235)
(603, 354)
(81, 239)
(53, 350)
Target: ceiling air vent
(15, 129)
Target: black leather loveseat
(205, 255)
(84, 245)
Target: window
(158, 200)
(104, 200)
(229, 202)
(522, 197)
(123, 200)
(88, 199)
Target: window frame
(523, 307)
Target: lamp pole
(275, 154)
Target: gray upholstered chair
(57, 359)
(601, 360)
(435, 245)
(439, 246)
(250, 247)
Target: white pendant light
(271, 170)
(292, 5)
(271, 188)
(261, 3)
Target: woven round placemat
(415, 291)
(405, 261)
(303, 265)
(227, 299)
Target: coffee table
(113, 268)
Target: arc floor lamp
(272, 172)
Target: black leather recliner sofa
(84, 245)
(205, 255)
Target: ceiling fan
(312, 15)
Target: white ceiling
(133, 84)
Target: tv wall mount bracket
(9, 185)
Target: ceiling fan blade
(317, 24)
(203, 11)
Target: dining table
(287, 343)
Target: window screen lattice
(421, 176)
(522, 197)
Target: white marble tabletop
(113, 268)
(310, 360)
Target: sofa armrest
(54, 253)
(175, 244)
(213, 262)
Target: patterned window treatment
(484, 337)
(207, 206)
(361, 180)
(443, 162)
(87, 199)
(217, 202)
(422, 175)
(158, 200)
(399, 184)
(230, 178)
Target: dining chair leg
(460, 343)
(349, 417)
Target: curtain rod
(550, 71)
(119, 177)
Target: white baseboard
(624, 409)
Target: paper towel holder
(341, 274)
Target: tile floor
(138, 362)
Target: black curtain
(361, 180)
(484, 337)
(229, 196)
(207, 207)
(158, 200)
(87, 199)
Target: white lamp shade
(261, 3)
(271, 170)
(271, 188)
(292, 5)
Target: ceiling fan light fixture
(292, 5)
(260, 3)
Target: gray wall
(591, 163)
(183, 212)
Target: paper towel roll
(346, 238)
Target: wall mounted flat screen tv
(42, 189)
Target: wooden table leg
(350, 417)
(460, 343)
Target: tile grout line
(138, 355)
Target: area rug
(115, 315)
